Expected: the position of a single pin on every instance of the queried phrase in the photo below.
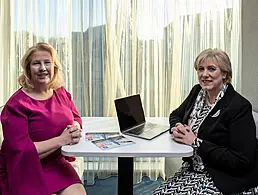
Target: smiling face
(41, 68)
(210, 76)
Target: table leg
(125, 175)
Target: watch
(196, 143)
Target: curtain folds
(7, 81)
(114, 48)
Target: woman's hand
(76, 133)
(183, 134)
(71, 135)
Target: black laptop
(131, 119)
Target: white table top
(161, 146)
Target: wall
(250, 51)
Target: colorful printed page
(100, 136)
(112, 142)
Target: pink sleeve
(76, 114)
(24, 171)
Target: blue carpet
(109, 186)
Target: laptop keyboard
(150, 125)
(146, 127)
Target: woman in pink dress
(37, 121)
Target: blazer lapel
(215, 113)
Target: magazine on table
(100, 136)
(108, 140)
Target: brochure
(108, 140)
(100, 136)
(112, 142)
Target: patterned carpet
(109, 186)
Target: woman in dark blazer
(218, 123)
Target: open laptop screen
(129, 112)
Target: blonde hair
(220, 58)
(25, 78)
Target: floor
(109, 186)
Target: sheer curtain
(114, 48)
(152, 46)
(6, 80)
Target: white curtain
(6, 79)
(114, 48)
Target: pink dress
(24, 121)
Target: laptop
(131, 119)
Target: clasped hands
(183, 134)
(71, 135)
